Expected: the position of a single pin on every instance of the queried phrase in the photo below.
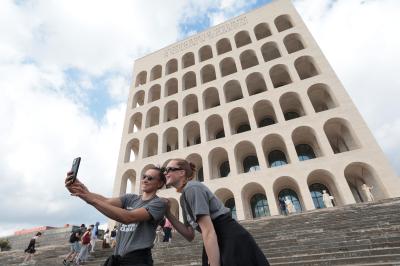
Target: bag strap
(188, 207)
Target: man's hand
(167, 205)
(77, 188)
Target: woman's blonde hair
(189, 167)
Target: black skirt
(140, 257)
(236, 246)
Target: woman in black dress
(30, 250)
(226, 242)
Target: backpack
(86, 238)
(73, 238)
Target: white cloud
(45, 120)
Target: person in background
(74, 244)
(30, 250)
(94, 235)
(226, 242)
(84, 251)
(113, 236)
(167, 228)
(106, 239)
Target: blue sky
(65, 72)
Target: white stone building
(255, 105)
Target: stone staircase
(359, 234)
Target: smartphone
(75, 168)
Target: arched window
(141, 78)
(138, 99)
(171, 67)
(232, 91)
(283, 22)
(205, 53)
(224, 169)
(155, 72)
(230, 203)
(190, 105)
(223, 46)
(292, 196)
(316, 194)
(227, 66)
(154, 93)
(188, 60)
(242, 38)
(305, 152)
(189, 80)
(279, 76)
(214, 127)
(255, 83)
(270, 51)
(259, 206)
(305, 67)
(320, 97)
(293, 43)
(210, 98)
(171, 87)
(207, 73)
(276, 158)
(250, 164)
(262, 31)
(248, 59)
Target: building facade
(255, 105)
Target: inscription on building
(206, 36)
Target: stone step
(337, 255)
(365, 260)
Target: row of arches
(256, 199)
(255, 82)
(275, 149)
(242, 38)
(291, 105)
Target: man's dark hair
(160, 173)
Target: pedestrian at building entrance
(85, 245)
(113, 236)
(31, 249)
(167, 229)
(138, 217)
(75, 246)
(94, 236)
(226, 242)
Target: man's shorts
(75, 247)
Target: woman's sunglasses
(171, 169)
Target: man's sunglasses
(148, 177)
(171, 169)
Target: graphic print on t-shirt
(128, 227)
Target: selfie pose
(226, 242)
(138, 215)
